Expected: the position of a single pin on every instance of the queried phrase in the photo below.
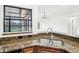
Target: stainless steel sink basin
(48, 42)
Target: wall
(1, 19)
(59, 18)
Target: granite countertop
(12, 42)
(70, 46)
(19, 45)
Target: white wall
(1, 19)
(59, 18)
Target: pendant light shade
(44, 15)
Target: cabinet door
(77, 28)
(27, 50)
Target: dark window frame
(16, 19)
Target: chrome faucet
(50, 32)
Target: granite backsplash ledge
(10, 40)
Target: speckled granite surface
(20, 45)
(13, 43)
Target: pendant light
(44, 16)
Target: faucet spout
(50, 31)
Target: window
(17, 19)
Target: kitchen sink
(48, 42)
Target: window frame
(19, 14)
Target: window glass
(17, 19)
(16, 26)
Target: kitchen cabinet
(42, 49)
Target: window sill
(7, 35)
(11, 33)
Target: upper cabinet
(77, 27)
